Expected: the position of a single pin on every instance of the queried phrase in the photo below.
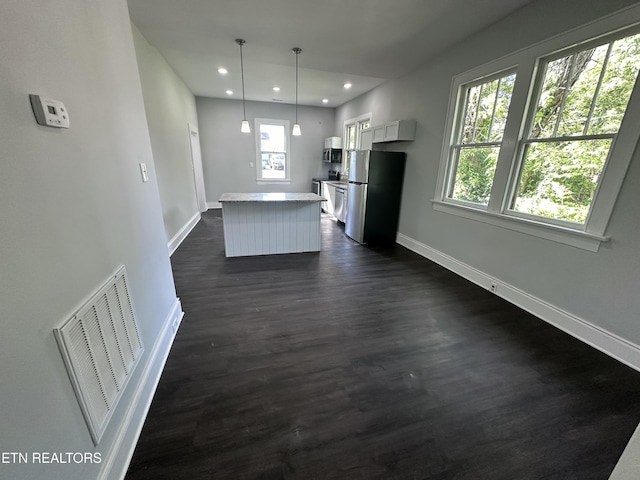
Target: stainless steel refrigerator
(375, 189)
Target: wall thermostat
(49, 112)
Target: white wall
(226, 153)
(170, 106)
(599, 288)
(72, 209)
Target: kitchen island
(270, 223)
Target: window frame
(357, 123)
(287, 144)
(528, 64)
(457, 132)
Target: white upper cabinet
(366, 139)
(378, 134)
(399, 130)
(333, 142)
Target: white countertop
(270, 197)
(337, 183)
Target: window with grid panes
(353, 131)
(540, 141)
(581, 101)
(272, 139)
(479, 137)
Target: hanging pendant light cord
(296, 126)
(297, 52)
(244, 111)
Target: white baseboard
(117, 460)
(214, 205)
(607, 342)
(177, 239)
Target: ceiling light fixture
(276, 89)
(347, 86)
(222, 71)
(244, 126)
(229, 92)
(325, 100)
(296, 126)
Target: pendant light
(244, 126)
(296, 126)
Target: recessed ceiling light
(276, 89)
(229, 92)
(325, 100)
(222, 71)
(347, 86)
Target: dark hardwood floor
(371, 363)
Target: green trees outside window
(478, 146)
(578, 104)
(579, 110)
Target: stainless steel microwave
(332, 155)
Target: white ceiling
(364, 42)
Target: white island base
(270, 223)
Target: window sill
(566, 236)
(273, 181)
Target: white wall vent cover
(101, 346)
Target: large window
(272, 138)
(540, 141)
(581, 100)
(479, 137)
